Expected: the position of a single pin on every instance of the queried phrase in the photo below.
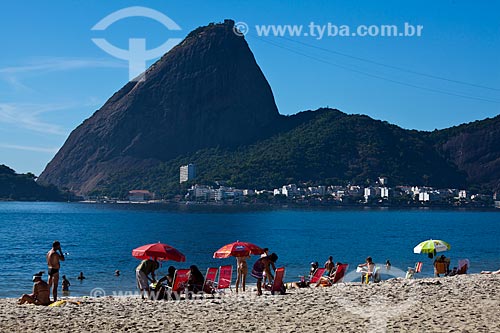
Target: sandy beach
(467, 303)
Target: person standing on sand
(261, 268)
(265, 254)
(242, 270)
(145, 268)
(41, 292)
(54, 256)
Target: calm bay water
(99, 239)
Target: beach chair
(373, 276)
(410, 274)
(278, 285)
(179, 284)
(463, 266)
(317, 275)
(209, 284)
(225, 277)
(440, 267)
(340, 273)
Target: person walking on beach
(261, 268)
(242, 270)
(40, 294)
(54, 257)
(146, 267)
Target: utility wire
(389, 66)
(374, 75)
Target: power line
(436, 77)
(378, 76)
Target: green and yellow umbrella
(431, 246)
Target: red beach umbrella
(237, 249)
(158, 251)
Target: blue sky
(52, 76)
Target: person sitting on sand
(329, 265)
(242, 271)
(491, 272)
(195, 280)
(81, 277)
(40, 294)
(370, 268)
(143, 270)
(65, 283)
(261, 268)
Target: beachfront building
(424, 197)
(140, 195)
(289, 190)
(462, 194)
(187, 172)
(382, 180)
(249, 192)
(371, 192)
(384, 192)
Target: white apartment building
(187, 172)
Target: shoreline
(448, 304)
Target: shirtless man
(41, 292)
(54, 256)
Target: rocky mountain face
(207, 91)
(207, 101)
(475, 149)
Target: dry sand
(467, 303)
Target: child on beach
(65, 283)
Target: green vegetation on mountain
(23, 187)
(329, 148)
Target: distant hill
(22, 187)
(207, 102)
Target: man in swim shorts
(54, 256)
(145, 268)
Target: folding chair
(340, 273)
(209, 284)
(410, 274)
(463, 266)
(373, 276)
(278, 285)
(318, 273)
(179, 284)
(225, 278)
